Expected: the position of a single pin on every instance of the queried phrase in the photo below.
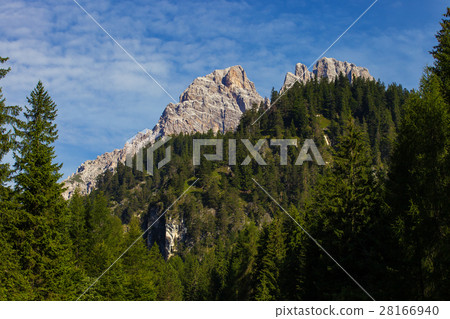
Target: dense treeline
(379, 207)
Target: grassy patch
(193, 188)
(77, 179)
(323, 122)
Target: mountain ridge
(329, 68)
(214, 102)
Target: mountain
(325, 68)
(216, 224)
(212, 102)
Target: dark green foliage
(418, 189)
(8, 118)
(441, 54)
(234, 243)
(271, 255)
(239, 285)
(344, 215)
(14, 285)
(44, 249)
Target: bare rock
(325, 68)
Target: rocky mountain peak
(330, 68)
(236, 77)
(212, 102)
(232, 79)
(325, 68)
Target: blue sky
(104, 98)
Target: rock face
(165, 231)
(213, 102)
(325, 68)
(175, 232)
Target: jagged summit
(325, 68)
(215, 101)
(212, 102)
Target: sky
(104, 97)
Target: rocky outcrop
(175, 232)
(165, 231)
(213, 102)
(85, 178)
(325, 68)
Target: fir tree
(419, 182)
(441, 54)
(45, 253)
(104, 246)
(271, 255)
(293, 270)
(13, 285)
(343, 215)
(138, 266)
(8, 118)
(418, 187)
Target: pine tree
(46, 252)
(104, 246)
(13, 285)
(168, 283)
(441, 54)
(293, 270)
(343, 215)
(242, 263)
(195, 279)
(139, 268)
(419, 182)
(77, 226)
(271, 254)
(8, 117)
(418, 186)
(219, 272)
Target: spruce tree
(8, 119)
(138, 266)
(46, 251)
(13, 285)
(242, 263)
(293, 270)
(104, 245)
(343, 216)
(441, 54)
(271, 254)
(418, 188)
